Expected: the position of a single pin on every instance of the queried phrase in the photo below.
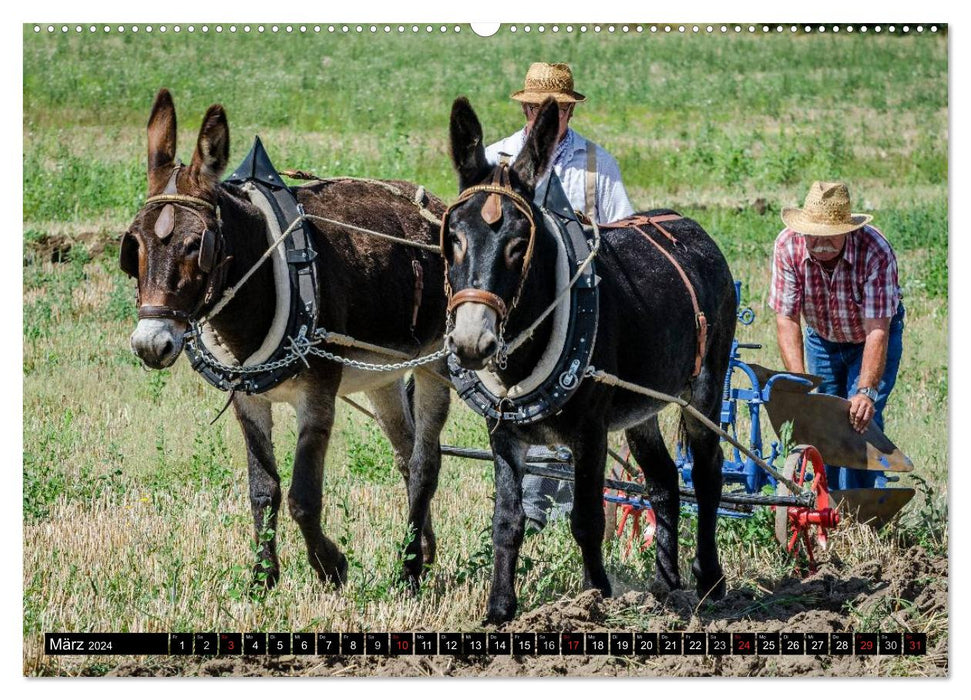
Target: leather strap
(147, 311)
(478, 296)
(590, 192)
(419, 289)
(492, 209)
(701, 323)
(644, 220)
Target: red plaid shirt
(862, 285)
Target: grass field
(136, 515)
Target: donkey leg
(256, 420)
(390, 409)
(706, 473)
(587, 520)
(508, 524)
(661, 476)
(315, 419)
(430, 411)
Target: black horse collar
(563, 379)
(257, 173)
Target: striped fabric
(862, 285)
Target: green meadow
(136, 516)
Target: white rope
(613, 380)
(403, 241)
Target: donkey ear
(468, 153)
(535, 155)
(212, 148)
(161, 141)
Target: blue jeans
(838, 364)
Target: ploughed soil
(909, 594)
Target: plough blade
(823, 421)
(876, 507)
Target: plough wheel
(800, 528)
(628, 522)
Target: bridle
(491, 212)
(212, 248)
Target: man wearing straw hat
(840, 274)
(590, 176)
(591, 181)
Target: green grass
(136, 514)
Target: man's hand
(861, 412)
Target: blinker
(207, 251)
(128, 255)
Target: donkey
(646, 335)
(368, 291)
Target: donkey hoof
(412, 575)
(501, 609)
(337, 574)
(660, 589)
(263, 582)
(711, 585)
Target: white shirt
(570, 165)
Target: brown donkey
(370, 290)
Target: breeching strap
(701, 323)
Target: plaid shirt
(862, 285)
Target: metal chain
(301, 346)
(375, 367)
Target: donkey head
(488, 234)
(174, 245)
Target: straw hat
(548, 80)
(826, 212)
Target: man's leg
(867, 479)
(539, 494)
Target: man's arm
(862, 409)
(789, 333)
(613, 203)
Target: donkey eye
(515, 249)
(457, 243)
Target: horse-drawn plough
(802, 519)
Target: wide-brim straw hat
(548, 80)
(826, 212)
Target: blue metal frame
(737, 468)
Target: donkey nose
(488, 344)
(156, 343)
(474, 354)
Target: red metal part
(641, 518)
(805, 525)
(647, 538)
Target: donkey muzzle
(158, 341)
(474, 340)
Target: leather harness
(491, 212)
(637, 223)
(538, 401)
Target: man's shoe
(534, 525)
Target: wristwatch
(868, 392)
